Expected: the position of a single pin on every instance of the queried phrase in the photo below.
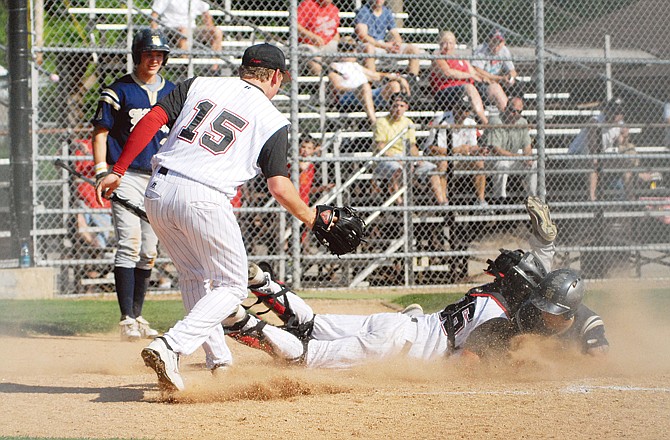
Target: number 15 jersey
(219, 128)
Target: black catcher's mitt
(342, 236)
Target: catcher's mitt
(341, 236)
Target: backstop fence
(562, 99)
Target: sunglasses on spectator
(514, 111)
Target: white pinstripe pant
(197, 226)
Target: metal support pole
(473, 18)
(540, 140)
(130, 65)
(295, 135)
(608, 69)
(18, 55)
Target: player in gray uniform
(224, 131)
(522, 299)
(121, 105)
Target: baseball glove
(341, 236)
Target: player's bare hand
(106, 186)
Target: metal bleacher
(331, 126)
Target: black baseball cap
(268, 56)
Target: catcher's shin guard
(249, 331)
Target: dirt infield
(98, 387)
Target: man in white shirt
(495, 73)
(179, 16)
(455, 142)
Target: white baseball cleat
(129, 329)
(145, 330)
(165, 362)
(543, 227)
(413, 310)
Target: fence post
(540, 140)
(608, 69)
(295, 136)
(18, 55)
(473, 18)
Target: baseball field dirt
(98, 387)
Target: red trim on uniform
(142, 134)
(493, 298)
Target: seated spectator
(309, 148)
(93, 226)
(495, 73)
(174, 14)
(386, 129)
(318, 21)
(351, 83)
(452, 79)
(598, 140)
(509, 142)
(376, 29)
(461, 141)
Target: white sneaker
(165, 362)
(146, 331)
(129, 329)
(413, 310)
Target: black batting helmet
(148, 40)
(561, 292)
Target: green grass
(69, 317)
(64, 317)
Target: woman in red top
(451, 78)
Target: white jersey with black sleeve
(218, 129)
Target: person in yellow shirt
(386, 128)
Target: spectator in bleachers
(318, 21)
(463, 141)
(386, 129)
(509, 141)
(452, 79)
(351, 83)
(308, 191)
(96, 216)
(309, 148)
(496, 74)
(598, 140)
(376, 28)
(179, 16)
(92, 227)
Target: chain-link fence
(435, 119)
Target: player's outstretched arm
(284, 192)
(142, 134)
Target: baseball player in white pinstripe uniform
(224, 131)
(479, 324)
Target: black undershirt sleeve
(273, 157)
(174, 102)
